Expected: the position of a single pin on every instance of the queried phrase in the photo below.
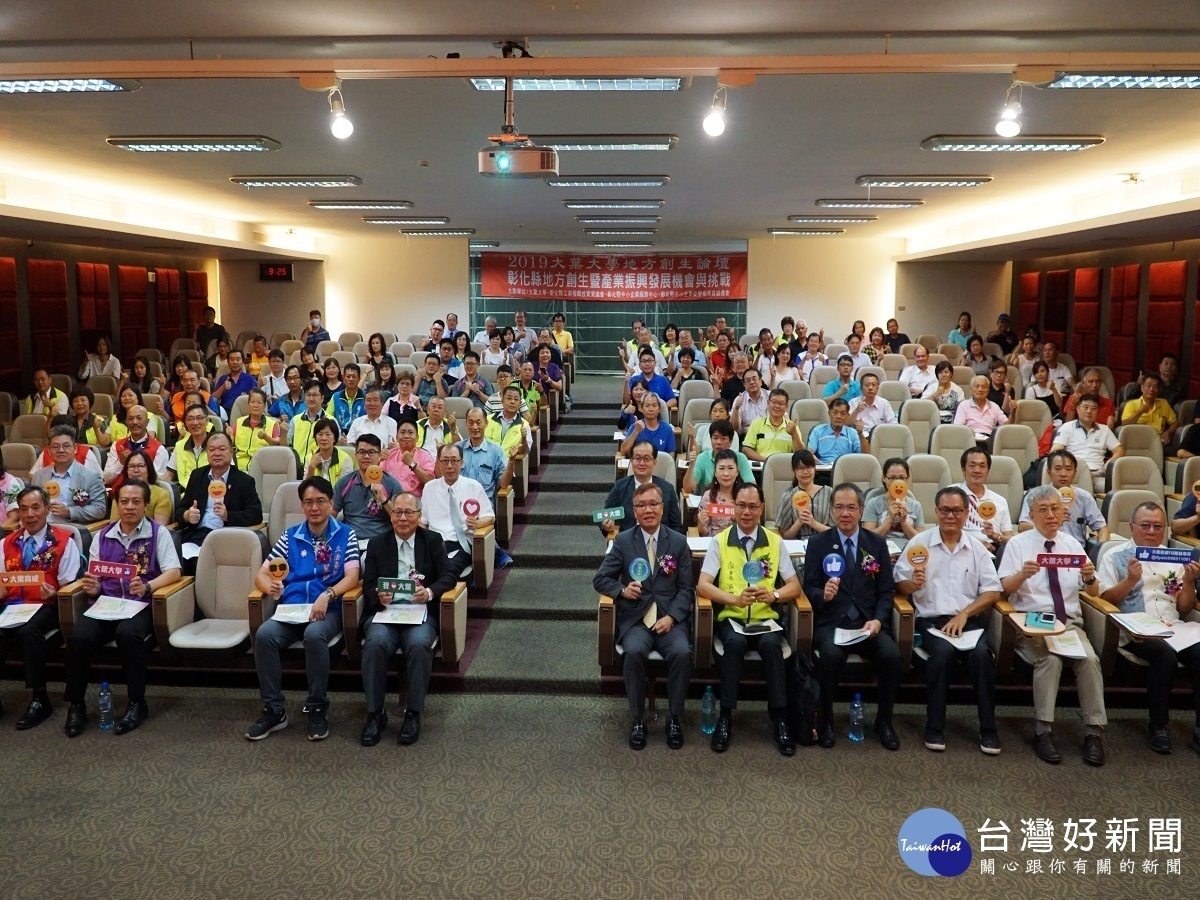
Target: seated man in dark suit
(859, 598)
(641, 463)
(654, 606)
(743, 565)
(409, 552)
(217, 495)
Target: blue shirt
(827, 446)
(308, 577)
(1188, 509)
(656, 384)
(284, 406)
(662, 437)
(344, 411)
(242, 385)
(315, 337)
(485, 464)
(853, 390)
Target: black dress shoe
(135, 715)
(1160, 740)
(783, 739)
(722, 734)
(1043, 746)
(372, 732)
(637, 735)
(411, 729)
(39, 711)
(825, 735)
(888, 737)
(674, 733)
(1093, 750)
(76, 720)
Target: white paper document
(17, 614)
(1142, 624)
(402, 614)
(796, 547)
(844, 637)
(765, 626)
(618, 435)
(1066, 644)
(293, 613)
(112, 609)
(965, 641)
(1184, 634)
(698, 544)
(693, 500)
(623, 464)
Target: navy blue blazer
(870, 594)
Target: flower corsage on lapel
(80, 497)
(870, 565)
(666, 564)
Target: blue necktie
(28, 551)
(848, 549)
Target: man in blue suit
(848, 581)
(648, 572)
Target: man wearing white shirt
(1059, 373)
(870, 409)
(1037, 587)
(1086, 439)
(46, 400)
(1081, 513)
(750, 404)
(484, 334)
(994, 529)
(854, 348)
(1167, 592)
(137, 418)
(919, 375)
(685, 340)
(374, 422)
(433, 431)
(812, 357)
(951, 589)
(454, 506)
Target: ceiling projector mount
(513, 155)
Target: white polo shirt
(1087, 446)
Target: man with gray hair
(489, 325)
(1043, 570)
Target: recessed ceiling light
(618, 220)
(605, 141)
(482, 245)
(916, 181)
(806, 232)
(406, 220)
(1045, 143)
(1134, 80)
(832, 220)
(613, 204)
(620, 232)
(613, 245)
(296, 181)
(865, 203)
(68, 86)
(194, 143)
(378, 205)
(590, 181)
(438, 232)
(580, 84)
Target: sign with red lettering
(22, 579)
(652, 277)
(1061, 560)
(720, 510)
(99, 569)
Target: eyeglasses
(652, 504)
(316, 503)
(405, 513)
(747, 507)
(846, 509)
(1149, 526)
(366, 451)
(952, 510)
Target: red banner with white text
(579, 276)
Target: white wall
(933, 294)
(829, 282)
(247, 304)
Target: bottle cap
(104, 685)
(858, 698)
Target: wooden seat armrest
(1098, 603)
(71, 601)
(702, 639)
(1102, 631)
(483, 557)
(1186, 540)
(606, 634)
(903, 626)
(801, 625)
(94, 527)
(1002, 635)
(350, 613)
(260, 608)
(452, 623)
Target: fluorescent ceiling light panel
(364, 205)
(438, 232)
(620, 232)
(1040, 143)
(865, 203)
(195, 143)
(1129, 80)
(919, 181)
(406, 220)
(296, 181)
(599, 181)
(605, 141)
(613, 204)
(806, 232)
(581, 84)
(618, 220)
(613, 245)
(68, 86)
(482, 245)
(832, 220)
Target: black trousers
(1160, 676)
(31, 637)
(736, 646)
(637, 643)
(937, 673)
(134, 649)
(881, 651)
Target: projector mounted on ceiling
(513, 155)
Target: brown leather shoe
(1043, 746)
(1093, 750)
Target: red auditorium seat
(48, 335)
(167, 308)
(1122, 321)
(10, 346)
(1084, 344)
(1027, 308)
(132, 285)
(1164, 312)
(1054, 315)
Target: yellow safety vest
(302, 440)
(515, 435)
(186, 461)
(733, 557)
(248, 442)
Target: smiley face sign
(277, 569)
(987, 510)
(216, 489)
(801, 501)
(373, 475)
(917, 555)
(898, 490)
(470, 507)
(53, 489)
(1067, 493)
(1195, 489)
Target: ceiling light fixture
(606, 141)
(296, 181)
(364, 205)
(482, 245)
(614, 204)
(1128, 80)
(406, 220)
(191, 143)
(1040, 143)
(714, 122)
(832, 220)
(68, 86)
(922, 181)
(620, 232)
(438, 232)
(339, 123)
(581, 84)
(806, 232)
(618, 220)
(868, 203)
(614, 245)
(599, 181)
(1009, 123)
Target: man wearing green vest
(189, 453)
(300, 432)
(746, 572)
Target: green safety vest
(733, 557)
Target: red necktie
(1060, 607)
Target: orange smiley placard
(53, 489)
(801, 501)
(216, 489)
(898, 490)
(987, 510)
(373, 475)
(1195, 488)
(277, 569)
(1067, 493)
(917, 555)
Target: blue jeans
(274, 637)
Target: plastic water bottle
(708, 711)
(858, 715)
(106, 707)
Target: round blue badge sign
(833, 565)
(639, 569)
(753, 571)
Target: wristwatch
(775, 594)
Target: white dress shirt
(1034, 595)
(436, 513)
(1001, 521)
(954, 579)
(917, 380)
(383, 428)
(877, 413)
